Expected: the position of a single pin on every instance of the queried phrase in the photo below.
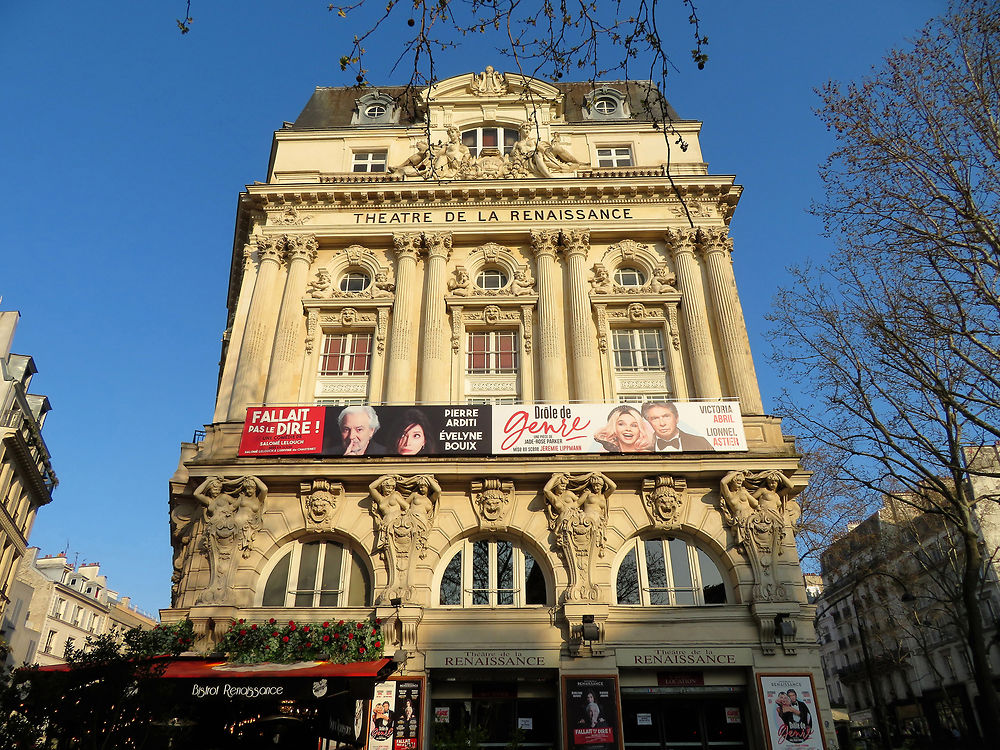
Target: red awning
(201, 668)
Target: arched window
(492, 573)
(354, 281)
(317, 574)
(481, 139)
(668, 572)
(491, 279)
(629, 276)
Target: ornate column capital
(407, 244)
(438, 244)
(681, 241)
(270, 247)
(302, 247)
(714, 240)
(575, 242)
(544, 242)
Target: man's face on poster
(792, 697)
(356, 432)
(663, 421)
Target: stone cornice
(475, 192)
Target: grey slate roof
(333, 107)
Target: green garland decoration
(339, 642)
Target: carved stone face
(596, 484)
(388, 486)
(665, 502)
(739, 479)
(771, 482)
(561, 484)
(320, 506)
(491, 502)
(422, 486)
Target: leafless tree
(895, 341)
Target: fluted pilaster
(551, 352)
(586, 369)
(717, 247)
(400, 363)
(682, 243)
(435, 369)
(286, 357)
(258, 336)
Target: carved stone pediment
(488, 83)
(320, 500)
(491, 500)
(663, 497)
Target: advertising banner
(408, 713)
(592, 713)
(789, 706)
(381, 718)
(484, 430)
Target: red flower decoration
(361, 650)
(378, 644)
(341, 622)
(344, 647)
(359, 625)
(285, 639)
(308, 644)
(242, 621)
(336, 635)
(305, 629)
(254, 626)
(378, 620)
(271, 621)
(243, 631)
(374, 631)
(326, 624)
(292, 625)
(350, 636)
(326, 638)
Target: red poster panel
(282, 431)
(591, 711)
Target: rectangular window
(492, 352)
(638, 349)
(369, 161)
(614, 156)
(346, 354)
(49, 641)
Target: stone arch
(356, 257)
(631, 253)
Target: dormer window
(375, 109)
(606, 104)
(369, 161)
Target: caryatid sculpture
(577, 508)
(759, 510)
(403, 509)
(232, 517)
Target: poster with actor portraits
(791, 716)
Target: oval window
(374, 110)
(605, 105)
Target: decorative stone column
(286, 359)
(717, 247)
(259, 332)
(435, 336)
(583, 353)
(551, 355)
(400, 362)
(703, 369)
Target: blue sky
(126, 146)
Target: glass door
(662, 722)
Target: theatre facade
(486, 379)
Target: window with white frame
(668, 572)
(614, 156)
(317, 574)
(491, 279)
(638, 349)
(492, 137)
(49, 641)
(492, 352)
(346, 354)
(344, 365)
(492, 573)
(629, 277)
(355, 281)
(369, 161)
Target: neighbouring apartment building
(58, 605)
(26, 476)
(486, 377)
(889, 618)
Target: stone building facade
(26, 475)
(502, 243)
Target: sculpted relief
(577, 508)
(663, 497)
(491, 500)
(759, 510)
(403, 509)
(320, 500)
(530, 156)
(232, 517)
